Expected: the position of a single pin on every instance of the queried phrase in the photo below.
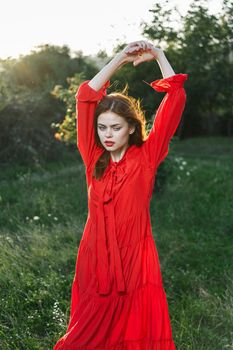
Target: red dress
(118, 301)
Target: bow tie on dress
(117, 174)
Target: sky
(85, 25)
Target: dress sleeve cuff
(168, 84)
(87, 93)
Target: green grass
(42, 215)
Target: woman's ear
(132, 130)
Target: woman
(118, 301)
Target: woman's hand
(140, 51)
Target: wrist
(158, 53)
(120, 58)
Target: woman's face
(113, 128)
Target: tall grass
(43, 213)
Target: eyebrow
(110, 125)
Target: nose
(108, 133)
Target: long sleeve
(167, 118)
(86, 103)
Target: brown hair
(130, 109)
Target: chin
(114, 147)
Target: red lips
(108, 143)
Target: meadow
(43, 210)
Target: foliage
(66, 131)
(201, 45)
(42, 217)
(44, 66)
(27, 107)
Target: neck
(117, 155)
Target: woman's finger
(138, 47)
(134, 43)
(132, 49)
(143, 44)
(140, 43)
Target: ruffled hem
(139, 321)
(87, 93)
(141, 344)
(168, 84)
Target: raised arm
(106, 72)
(168, 115)
(167, 118)
(90, 92)
(86, 102)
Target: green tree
(27, 107)
(66, 130)
(201, 45)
